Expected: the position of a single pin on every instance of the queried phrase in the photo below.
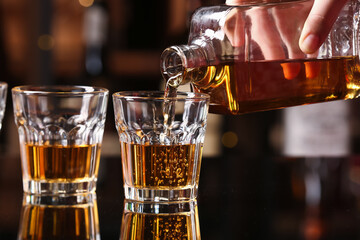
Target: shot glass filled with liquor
(161, 142)
(60, 131)
(74, 219)
(142, 221)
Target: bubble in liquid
(179, 173)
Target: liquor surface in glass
(240, 87)
(59, 222)
(140, 226)
(161, 167)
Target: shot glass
(43, 219)
(3, 94)
(144, 221)
(161, 143)
(60, 132)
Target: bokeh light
(86, 3)
(46, 42)
(229, 139)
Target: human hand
(273, 34)
(317, 25)
(277, 35)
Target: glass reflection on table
(145, 221)
(46, 217)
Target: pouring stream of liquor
(172, 84)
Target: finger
(265, 34)
(289, 20)
(319, 23)
(312, 69)
(285, 23)
(291, 70)
(234, 28)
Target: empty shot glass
(60, 131)
(161, 143)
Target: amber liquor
(61, 163)
(161, 166)
(139, 226)
(241, 87)
(42, 222)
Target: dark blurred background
(110, 43)
(248, 188)
(113, 43)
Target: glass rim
(58, 89)
(159, 95)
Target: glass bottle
(96, 19)
(248, 58)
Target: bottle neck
(177, 61)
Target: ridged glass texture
(60, 131)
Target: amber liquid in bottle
(61, 163)
(160, 166)
(241, 87)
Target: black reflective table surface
(239, 198)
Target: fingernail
(310, 44)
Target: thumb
(319, 23)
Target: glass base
(60, 199)
(160, 195)
(56, 188)
(160, 207)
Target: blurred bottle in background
(320, 130)
(96, 26)
(318, 138)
